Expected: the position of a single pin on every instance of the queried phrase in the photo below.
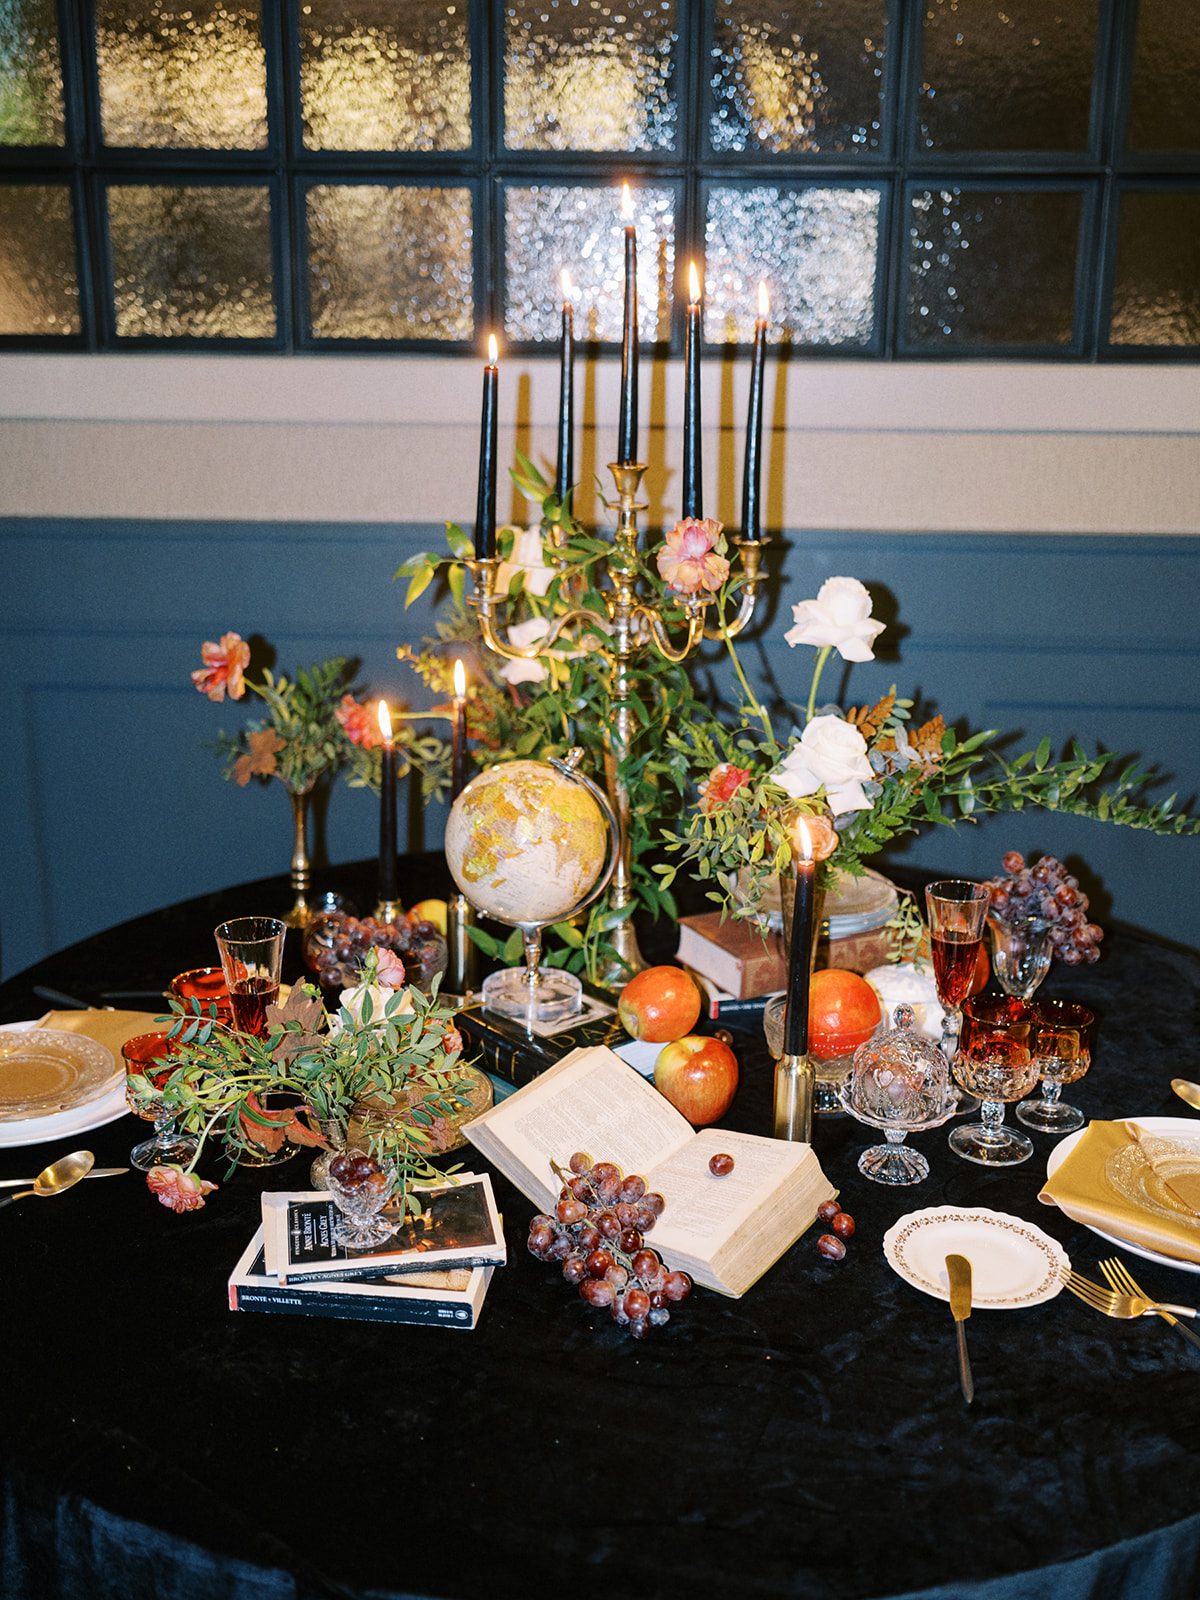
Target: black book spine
(351, 1272)
(352, 1308)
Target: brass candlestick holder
(635, 624)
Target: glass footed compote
(361, 1185)
(900, 1083)
(995, 1060)
(1062, 1053)
(1021, 953)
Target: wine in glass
(957, 916)
(148, 1058)
(252, 959)
(1062, 1052)
(995, 1060)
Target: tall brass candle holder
(636, 624)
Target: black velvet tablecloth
(808, 1440)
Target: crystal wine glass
(995, 1060)
(252, 957)
(957, 915)
(148, 1057)
(1062, 1052)
(1021, 953)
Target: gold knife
(96, 1172)
(958, 1270)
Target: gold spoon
(1187, 1092)
(62, 1174)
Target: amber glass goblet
(149, 1057)
(1063, 1053)
(995, 1060)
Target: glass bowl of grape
(336, 946)
(361, 1185)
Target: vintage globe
(526, 842)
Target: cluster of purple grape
(597, 1235)
(1048, 891)
(336, 946)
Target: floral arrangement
(387, 1056)
(717, 787)
(314, 725)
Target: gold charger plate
(45, 1070)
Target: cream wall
(963, 447)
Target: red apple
(659, 1004)
(698, 1075)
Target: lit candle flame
(460, 680)
(385, 722)
(764, 303)
(493, 349)
(626, 203)
(566, 283)
(805, 840)
(694, 281)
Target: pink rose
(389, 969)
(223, 667)
(686, 564)
(180, 1190)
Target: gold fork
(1121, 1279)
(1119, 1305)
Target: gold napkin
(1083, 1189)
(111, 1028)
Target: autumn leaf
(260, 758)
(301, 1007)
(869, 721)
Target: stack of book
(435, 1268)
(740, 960)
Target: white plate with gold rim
(44, 1128)
(1013, 1264)
(1184, 1129)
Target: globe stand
(533, 993)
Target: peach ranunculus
(180, 1190)
(686, 563)
(359, 726)
(722, 784)
(822, 835)
(223, 667)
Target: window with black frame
(951, 178)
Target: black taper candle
(752, 472)
(627, 426)
(795, 1031)
(566, 399)
(485, 505)
(387, 807)
(692, 492)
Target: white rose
(839, 616)
(354, 1000)
(526, 669)
(833, 754)
(528, 558)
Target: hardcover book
(724, 1231)
(739, 957)
(508, 1050)
(459, 1226)
(451, 1299)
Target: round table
(807, 1440)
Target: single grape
(637, 1303)
(599, 1261)
(843, 1225)
(827, 1210)
(580, 1162)
(587, 1237)
(631, 1240)
(570, 1211)
(657, 1316)
(830, 1247)
(608, 1224)
(654, 1203)
(639, 1330)
(574, 1268)
(633, 1187)
(597, 1292)
(645, 1263)
(720, 1165)
(617, 1275)
(678, 1286)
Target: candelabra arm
(662, 640)
(750, 552)
(485, 603)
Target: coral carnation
(180, 1190)
(223, 667)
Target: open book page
(590, 1101)
(702, 1210)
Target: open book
(725, 1232)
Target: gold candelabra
(635, 624)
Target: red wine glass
(252, 958)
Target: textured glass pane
(390, 263)
(549, 228)
(1156, 294)
(589, 75)
(991, 268)
(31, 104)
(1007, 74)
(192, 262)
(176, 77)
(1166, 72)
(804, 76)
(38, 289)
(816, 251)
(375, 75)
